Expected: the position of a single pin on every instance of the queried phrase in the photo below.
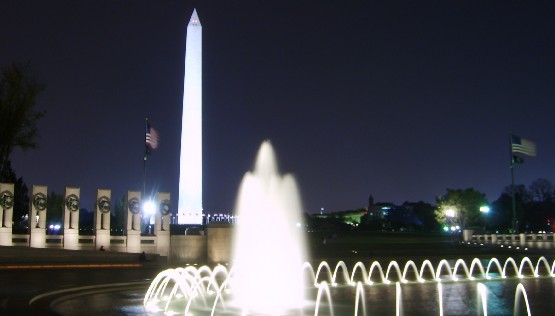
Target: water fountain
(268, 237)
(268, 276)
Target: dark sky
(398, 99)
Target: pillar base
(5, 236)
(71, 239)
(38, 238)
(163, 243)
(134, 241)
(103, 239)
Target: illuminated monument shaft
(190, 177)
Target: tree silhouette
(464, 206)
(18, 119)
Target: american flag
(523, 146)
(151, 137)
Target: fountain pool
(270, 276)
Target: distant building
(380, 210)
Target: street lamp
(484, 209)
(450, 212)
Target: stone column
(163, 215)
(6, 209)
(522, 239)
(102, 218)
(467, 234)
(133, 228)
(37, 216)
(493, 238)
(71, 218)
(162, 224)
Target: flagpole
(513, 200)
(144, 158)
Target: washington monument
(189, 209)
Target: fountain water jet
(269, 244)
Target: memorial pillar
(162, 224)
(102, 218)
(71, 218)
(37, 216)
(6, 209)
(493, 238)
(522, 238)
(133, 227)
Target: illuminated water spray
(269, 245)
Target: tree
(523, 200)
(21, 193)
(18, 119)
(522, 195)
(425, 215)
(541, 207)
(460, 207)
(501, 215)
(541, 190)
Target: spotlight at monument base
(149, 208)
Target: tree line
(454, 211)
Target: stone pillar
(71, 218)
(163, 215)
(133, 227)
(522, 239)
(467, 234)
(6, 209)
(37, 216)
(493, 238)
(162, 224)
(102, 218)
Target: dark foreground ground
(26, 274)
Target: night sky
(397, 99)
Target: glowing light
(450, 212)
(484, 209)
(149, 208)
